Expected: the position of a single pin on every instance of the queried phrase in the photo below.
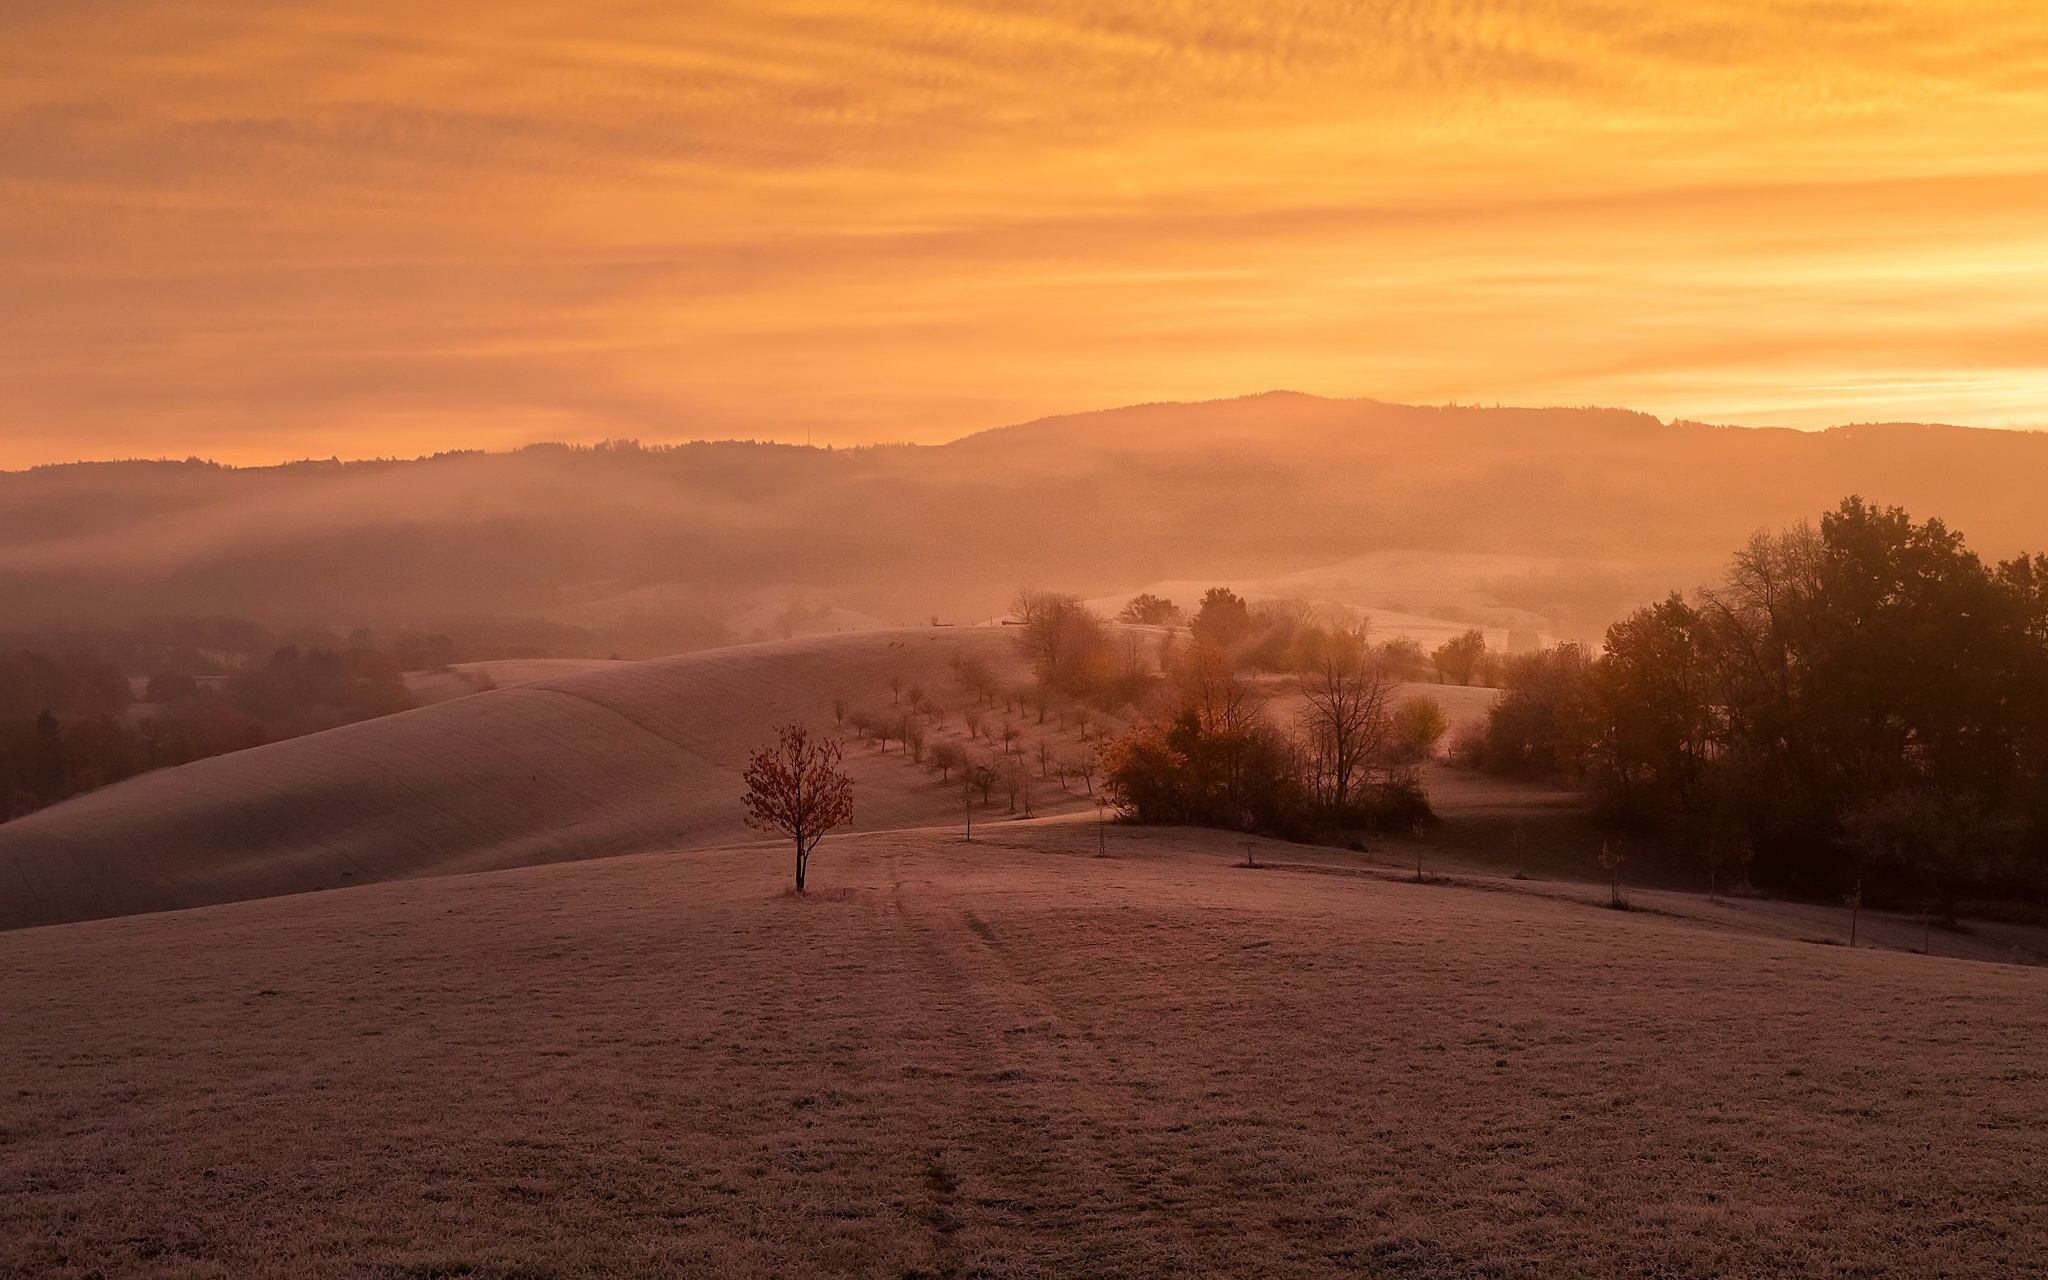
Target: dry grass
(1002, 1059)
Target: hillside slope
(618, 758)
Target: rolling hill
(608, 758)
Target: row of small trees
(1862, 704)
(998, 755)
(1279, 636)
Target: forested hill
(677, 538)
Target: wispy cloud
(262, 230)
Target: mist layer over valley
(1554, 520)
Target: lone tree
(1146, 609)
(797, 789)
(1224, 617)
(1460, 657)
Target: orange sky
(257, 231)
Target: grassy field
(1006, 1059)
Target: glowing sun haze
(260, 231)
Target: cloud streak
(268, 231)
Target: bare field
(1005, 1059)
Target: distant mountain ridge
(1092, 502)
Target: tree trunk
(800, 864)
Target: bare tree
(1063, 638)
(973, 674)
(1612, 858)
(1347, 717)
(797, 789)
(1045, 615)
(983, 777)
(1223, 701)
(1084, 768)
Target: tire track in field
(1065, 1144)
(904, 1020)
(1012, 1159)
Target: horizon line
(634, 443)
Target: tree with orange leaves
(797, 789)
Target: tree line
(1857, 707)
(71, 720)
(1264, 635)
(69, 723)
(221, 645)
